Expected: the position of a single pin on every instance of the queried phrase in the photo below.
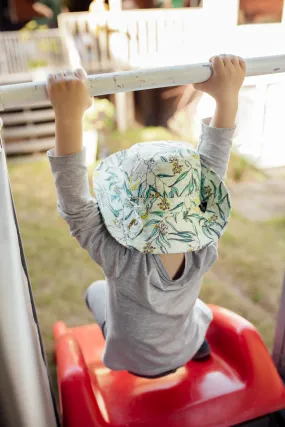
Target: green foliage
(240, 168)
(117, 141)
(39, 46)
(101, 116)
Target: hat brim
(151, 224)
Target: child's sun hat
(160, 197)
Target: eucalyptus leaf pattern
(160, 197)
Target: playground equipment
(239, 385)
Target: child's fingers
(80, 74)
(227, 61)
(218, 64)
(50, 79)
(234, 60)
(242, 63)
(59, 77)
(69, 75)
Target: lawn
(247, 277)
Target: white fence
(107, 41)
(22, 53)
(142, 38)
(151, 38)
(132, 39)
(29, 56)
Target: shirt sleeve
(81, 212)
(215, 146)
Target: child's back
(153, 228)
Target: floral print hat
(159, 197)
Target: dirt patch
(260, 201)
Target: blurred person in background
(16, 14)
(47, 12)
(260, 11)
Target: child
(159, 211)
(48, 11)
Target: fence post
(115, 5)
(121, 111)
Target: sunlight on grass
(220, 293)
(240, 168)
(122, 140)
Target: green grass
(122, 140)
(240, 168)
(247, 277)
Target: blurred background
(38, 37)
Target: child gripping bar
(135, 80)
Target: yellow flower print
(208, 191)
(195, 156)
(133, 222)
(164, 204)
(134, 185)
(196, 209)
(213, 218)
(162, 228)
(197, 200)
(176, 167)
(144, 215)
(148, 248)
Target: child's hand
(68, 94)
(227, 78)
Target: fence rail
(132, 39)
(23, 52)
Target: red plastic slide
(238, 383)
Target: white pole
(25, 398)
(128, 81)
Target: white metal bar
(25, 398)
(136, 80)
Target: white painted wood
(30, 146)
(29, 131)
(115, 5)
(181, 34)
(18, 49)
(28, 116)
(121, 116)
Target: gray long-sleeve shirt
(154, 324)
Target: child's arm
(69, 97)
(43, 10)
(217, 133)
(70, 100)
